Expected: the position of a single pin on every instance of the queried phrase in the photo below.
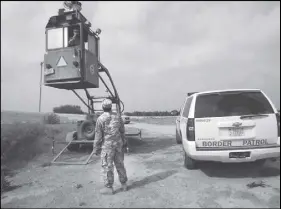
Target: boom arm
(116, 97)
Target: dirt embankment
(23, 142)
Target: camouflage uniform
(110, 139)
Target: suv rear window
(231, 104)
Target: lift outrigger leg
(74, 163)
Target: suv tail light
(278, 123)
(190, 129)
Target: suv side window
(187, 107)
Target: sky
(156, 52)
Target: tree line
(68, 109)
(152, 113)
(76, 109)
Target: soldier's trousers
(108, 157)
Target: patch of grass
(22, 142)
(256, 184)
(17, 138)
(18, 144)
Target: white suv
(228, 126)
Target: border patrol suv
(228, 126)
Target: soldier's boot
(107, 191)
(124, 187)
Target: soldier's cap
(107, 103)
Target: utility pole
(40, 86)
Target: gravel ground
(157, 178)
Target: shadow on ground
(150, 144)
(239, 170)
(150, 179)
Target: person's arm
(72, 40)
(98, 136)
(122, 131)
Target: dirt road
(157, 178)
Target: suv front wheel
(189, 163)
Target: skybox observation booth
(72, 58)
(72, 54)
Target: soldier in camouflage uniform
(111, 142)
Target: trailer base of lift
(88, 160)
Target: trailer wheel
(87, 129)
(69, 137)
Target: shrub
(13, 136)
(51, 118)
(68, 109)
(175, 112)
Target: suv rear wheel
(189, 163)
